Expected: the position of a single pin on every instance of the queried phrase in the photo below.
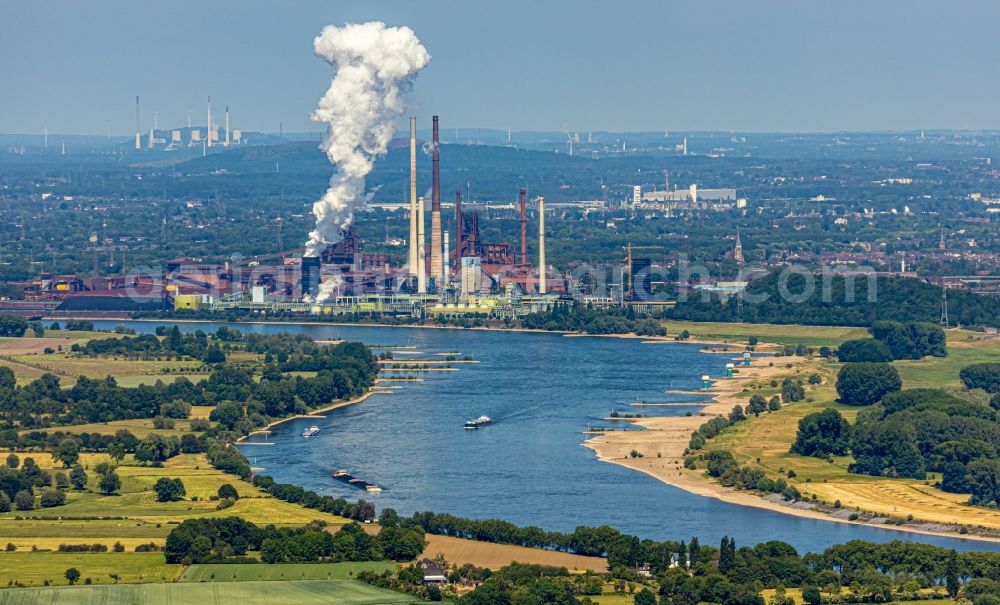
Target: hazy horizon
(771, 67)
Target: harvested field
(494, 556)
(28, 346)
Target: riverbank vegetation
(916, 457)
(263, 380)
(587, 319)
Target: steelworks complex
(471, 277)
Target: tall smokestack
(447, 262)
(437, 267)
(208, 129)
(524, 229)
(227, 126)
(459, 225)
(541, 245)
(413, 197)
(138, 137)
(421, 253)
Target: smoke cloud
(374, 67)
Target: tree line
(242, 403)
(893, 340)
(912, 432)
(566, 317)
(229, 539)
(851, 302)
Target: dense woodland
(241, 402)
(848, 304)
(893, 340)
(582, 318)
(228, 539)
(909, 433)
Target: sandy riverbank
(664, 440)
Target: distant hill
(494, 173)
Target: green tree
(727, 555)
(791, 390)
(400, 544)
(951, 575)
(72, 575)
(983, 480)
(13, 461)
(227, 491)
(822, 434)
(116, 451)
(645, 597)
(24, 500)
(757, 405)
(887, 448)
(863, 349)
(215, 355)
(174, 340)
(985, 376)
(228, 414)
(7, 379)
(866, 383)
(169, 490)
(274, 550)
(78, 477)
(52, 497)
(811, 595)
(110, 483)
(67, 452)
(12, 325)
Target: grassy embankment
(793, 334)
(132, 517)
(764, 441)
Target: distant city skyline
(770, 66)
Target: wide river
(528, 467)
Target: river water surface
(528, 467)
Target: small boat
(373, 489)
(340, 472)
(475, 423)
(309, 432)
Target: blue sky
(769, 65)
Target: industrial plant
(474, 276)
(449, 274)
(212, 135)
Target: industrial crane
(628, 260)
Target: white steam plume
(374, 66)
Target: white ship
(309, 432)
(475, 423)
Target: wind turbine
(569, 140)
